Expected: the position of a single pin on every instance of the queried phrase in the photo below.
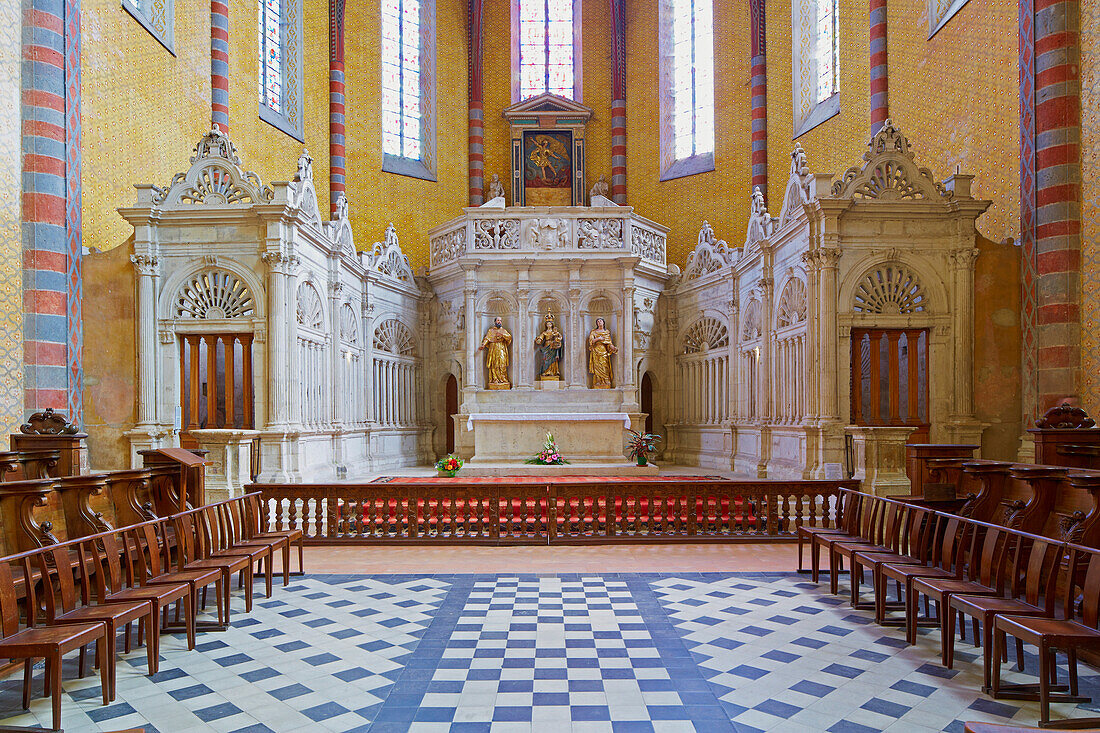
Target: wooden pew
(49, 431)
(1066, 436)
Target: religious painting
(547, 168)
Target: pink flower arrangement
(549, 455)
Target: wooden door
(646, 400)
(451, 409)
(215, 383)
(890, 378)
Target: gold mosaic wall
(955, 96)
(377, 198)
(144, 109)
(11, 248)
(1090, 205)
(722, 196)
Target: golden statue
(496, 343)
(600, 350)
(548, 351)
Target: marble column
(147, 319)
(628, 339)
(278, 347)
(831, 408)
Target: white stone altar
(591, 441)
(519, 264)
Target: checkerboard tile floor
(612, 652)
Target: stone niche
(548, 151)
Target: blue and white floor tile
(614, 652)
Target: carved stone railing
(487, 232)
(556, 513)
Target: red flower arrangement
(449, 465)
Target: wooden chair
(945, 563)
(59, 587)
(847, 521)
(153, 566)
(244, 533)
(883, 538)
(194, 553)
(912, 548)
(1033, 559)
(225, 525)
(296, 536)
(983, 575)
(111, 588)
(45, 642)
(862, 532)
(1068, 634)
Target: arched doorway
(451, 409)
(647, 401)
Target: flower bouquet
(549, 455)
(640, 445)
(448, 466)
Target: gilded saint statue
(495, 344)
(548, 348)
(600, 350)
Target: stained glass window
(826, 49)
(692, 78)
(271, 54)
(402, 107)
(546, 48)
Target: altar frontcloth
(624, 469)
(592, 442)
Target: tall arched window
(280, 68)
(548, 48)
(816, 52)
(408, 87)
(687, 87)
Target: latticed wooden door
(890, 378)
(215, 383)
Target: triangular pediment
(548, 105)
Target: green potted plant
(448, 466)
(640, 445)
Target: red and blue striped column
(219, 64)
(50, 107)
(1057, 150)
(880, 108)
(337, 181)
(758, 65)
(618, 101)
(476, 130)
(1029, 327)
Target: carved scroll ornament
(1065, 417)
(47, 423)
